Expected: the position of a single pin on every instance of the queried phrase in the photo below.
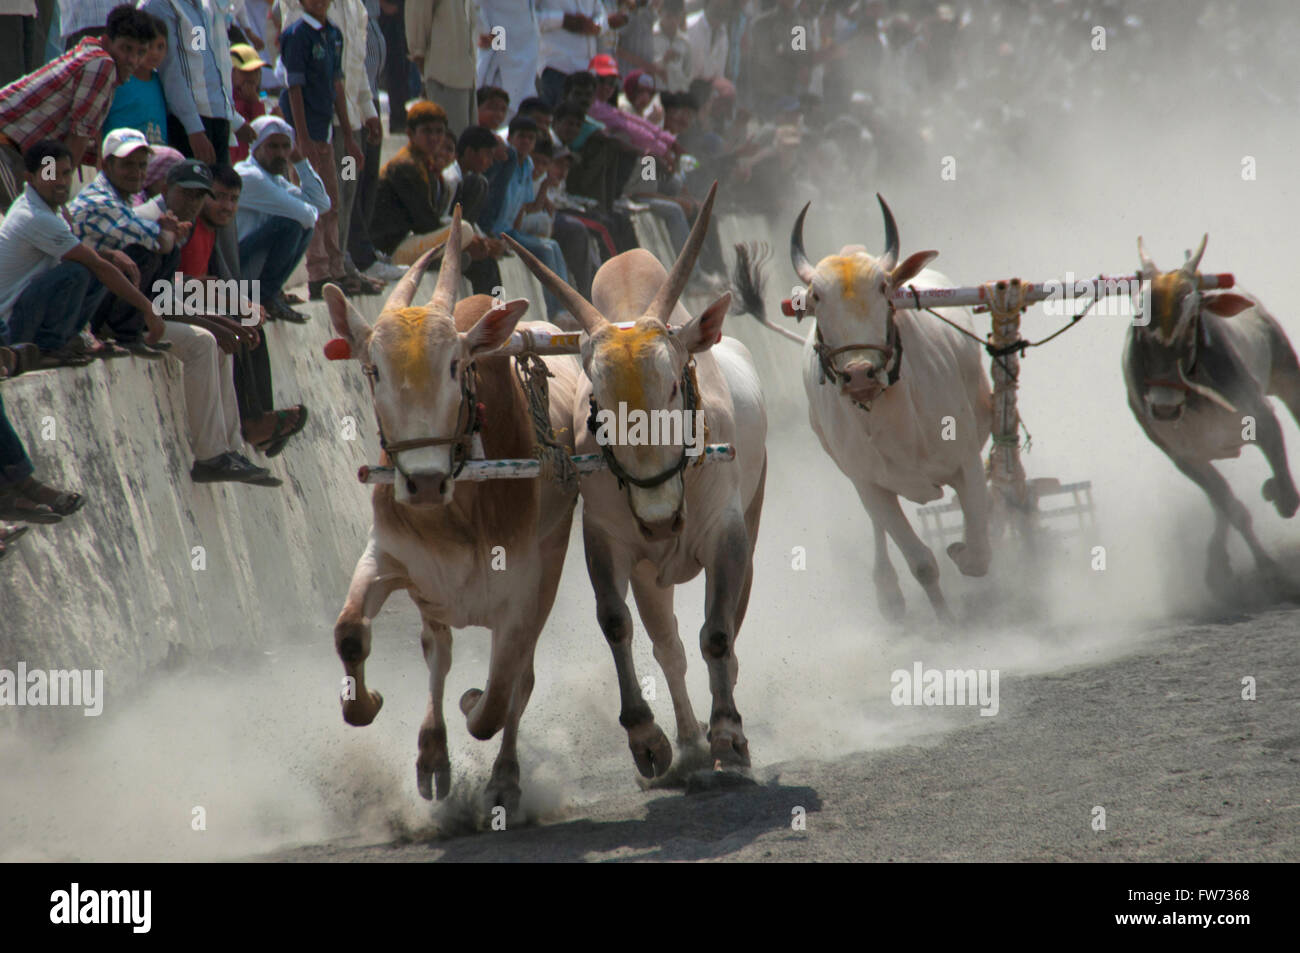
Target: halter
(690, 403)
(469, 420)
(891, 350)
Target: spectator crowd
(222, 144)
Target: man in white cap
(276, 218)
(104, 217)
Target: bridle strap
(690, 403)
(892, 351)
(467, 423)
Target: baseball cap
(191, 174)
(603, 64)
(122, 142)
(245, 57)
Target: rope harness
(690, 404)
(533, 374)
(891, 351)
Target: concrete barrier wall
(157, 566)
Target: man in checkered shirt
(68, 98)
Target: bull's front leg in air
(726, 571)
(651, 749)
(973, 554)
(374, 579)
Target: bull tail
(747, 282)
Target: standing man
(441, 38)
(569, 31)
(196, 80)
(509, 43)
(68, 98)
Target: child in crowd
(245, 86)
(139, 102)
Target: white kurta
(513, 68)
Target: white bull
(900, 402)
(653, 520)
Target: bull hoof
(651, 749)
(1285, 499)
(503, 790)
(970, 562)
(360, 712)
(891, 602)
(470, 699)
(729, 748)
(436, 781)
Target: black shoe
(230, 468)
(258, 476)
(139, 348)
(279, 310)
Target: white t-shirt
(33, 239)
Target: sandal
(14, 506)
(10, 531)
(62, 502)
(63, 357)
(18, 359)
(274, 444)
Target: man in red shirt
(68, 98)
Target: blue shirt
(139, 104)
(518, 184)
(266, 196)
(312, 53)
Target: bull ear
(701, 333)
(347, 320)
(911, 267)
(495, 327)
(1226, 305)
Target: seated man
(50, 282)
(22, 496)
(409, 195)
(203, 342)
(276, 218)
(104, 218)
(516, 189)
(465, 185)
(264, 427)
(596, 173)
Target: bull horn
(444, 293)
(586, 313)
(1213, 396)
(802, 266)
(666, 300)
(1148, 266)
(405, 290)
(890, 258)
(1194, 261)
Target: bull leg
(503, 787)
(655, 605)
(373, 581)
(486, 709)
(973, 555)
(885, 511)
(1227, 507)
(651, 749)
(753, 512)
(888, 593)
(433, 766)
(1279, 489)
(725, 572)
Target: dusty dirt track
(1161, 739)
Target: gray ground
(1185, 769)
